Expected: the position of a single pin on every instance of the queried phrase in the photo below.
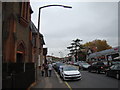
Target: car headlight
(80, 74)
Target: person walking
(49, 69)
(46, 69)
(42, 70)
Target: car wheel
(79, 68)
(98, 71)
(83, 68)
(89, 70)
(63, 78)
(117, 76)
(60, 75)
(106, 74)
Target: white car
(84, 66)
(70, 73)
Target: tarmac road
(94, 80)
(89, 80)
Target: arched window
(20, 56)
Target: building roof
(42, 38)
(31, 11)
(33, 27)
(35, 31)
(105, 52)
(43, 42)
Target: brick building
(22, 44)
(16, 32)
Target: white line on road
(58, 77)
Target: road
(89, 80)
(94, 80)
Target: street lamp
(52, 56)
(49, 6)
(39, 21)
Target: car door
(112, 70)
(115, 71)
(61, 71)
(93, 67)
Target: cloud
(87, 21)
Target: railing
(17, 75)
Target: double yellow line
(64, 81)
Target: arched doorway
(20, 56)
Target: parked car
(117, 58)
(115, 62)
(70, 73)
(53, 64)
(114, 71)
(98, 67)
(57, 66)
(83, 66)
(78, 62)
(75, 63)
(69, 62)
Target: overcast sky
(85, 20)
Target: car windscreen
(116, 62)
(115, 67)
(118, 67)
(105, 63)
(85, 63)
(59, 64)
(67, 68)
(100, 63)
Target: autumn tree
(97, 45)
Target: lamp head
(67, 6)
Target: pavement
(52, 82)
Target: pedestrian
(46, 69)
(42, 70)
(49, 69)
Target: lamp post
(61, 54)
(45, 7)
(39, 26)
(52, 56)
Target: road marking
(58, 77)
(68, 85)
(62, 81)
